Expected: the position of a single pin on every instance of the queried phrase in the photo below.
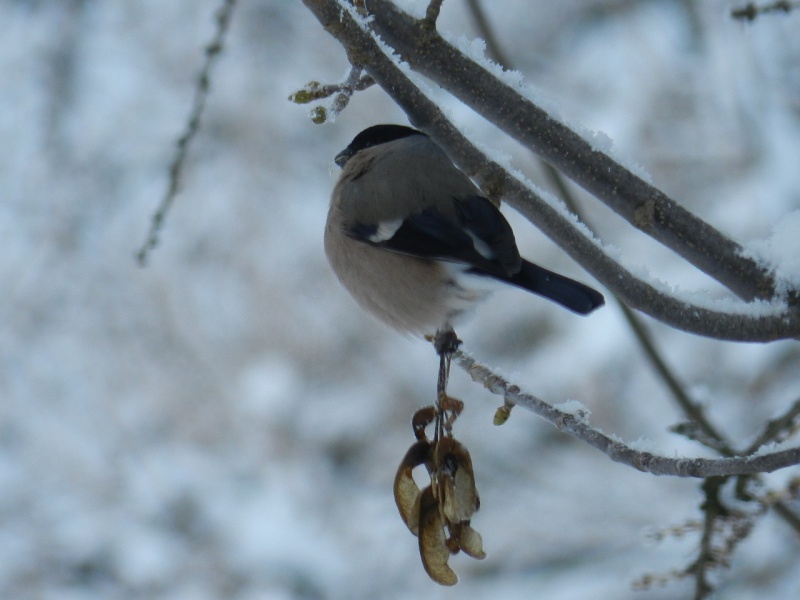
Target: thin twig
(787, 514)
(493, 48)
(314, 90)
(692, 409)
(356, 81)
(751, 10)
(776, 428)
(712, 509)
(577, 426)
(201, 91)
(432, 13)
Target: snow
(226, 423)
(475, 49)
(415, 8)
(780, 252)
(575, 408)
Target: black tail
(567, 292)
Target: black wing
(475, 234)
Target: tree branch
(641, 204)
(751, 10)
(364, 51)
(577, 426)
(778, 428)
(202, 89)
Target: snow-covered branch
(641, 204)
(737, 322)
(575, 423)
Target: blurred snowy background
(226, 423)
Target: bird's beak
(343, 156)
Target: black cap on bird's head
(374, 136)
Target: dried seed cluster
(439, 515)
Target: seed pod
(432, 542)
(406, 491)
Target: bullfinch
(416, 243)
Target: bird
(416, 243)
